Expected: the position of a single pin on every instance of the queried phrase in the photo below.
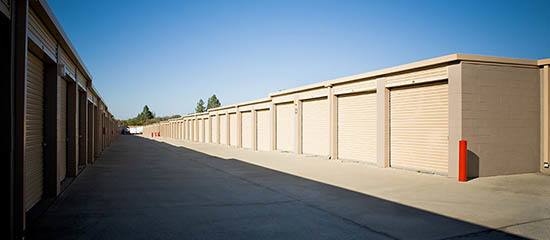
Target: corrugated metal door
(62, 128)
(90, 131)
(195, 131)
(246, 129)
(419, 127)
(233, 129)
(315, 127)
(357, 127)
(201, 130)
(189, 130)
(34, 132)
(263, 130)
(215, 129)
(223, 129)
(181, 130)
(285, 127)
(207, 136)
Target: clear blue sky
(168, 54)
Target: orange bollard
(462, 161)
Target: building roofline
(48, 17)
(222, 108)
(442, 60)
(543, 62)
(410, 66)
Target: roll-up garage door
(223, 129)
(62, 128)
(180, 131)
(34, 132)
(215, 129)
(207, 131)
(285, 127)
(263, 130)
(233, 129)
(195, 130)
(201, 130)
(315, 127)
(91, 131)
(357, 127)
(188, 128)
(246, 129)
(419, 127)
(183, 130)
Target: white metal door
(246, 129)
(263, 130)
(207, 130)
(419, 127)
(223, 129)
(357, 127)
(195, 130)
(315, 127)
(285, 127)
(34, 132)
(233, 129)
(215, 129)
(201, 130)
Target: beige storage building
(59, 123)
(409, 117)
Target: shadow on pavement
(145, 189)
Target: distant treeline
(146, 117)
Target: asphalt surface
(144, 189)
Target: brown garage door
(90, 131)
(62, 128)
(419, 127)
(34, 132)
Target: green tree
(213, 102)
(146, 114)
(200, 106)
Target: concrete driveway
(150, 189)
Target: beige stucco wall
(501, 118)
(545, 110)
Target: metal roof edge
(410, 66)
(543, 62)
(65, 42)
